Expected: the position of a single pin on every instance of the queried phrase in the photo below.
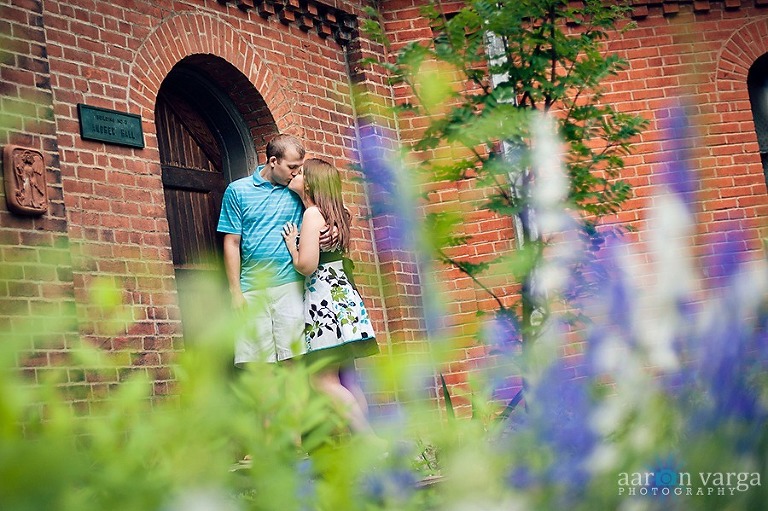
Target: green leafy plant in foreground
(130, 450)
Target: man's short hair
(280, 144)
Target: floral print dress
(334, 313)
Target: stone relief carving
(26, 192)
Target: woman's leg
(348, 378)
(327, 381)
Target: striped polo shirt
(257, 210)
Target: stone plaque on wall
(26, 192)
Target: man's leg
(287, 308)
(254, 342)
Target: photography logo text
(666, 482)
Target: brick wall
(37, 315)
(107, 211)
(459, 298)
(695, 54)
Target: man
(258, 267)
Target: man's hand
(329, 239)
(232, 268)
(238, 300)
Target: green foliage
(487, 69)
(447, 396)
(129, 449)
(132, 451)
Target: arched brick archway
(237, 67)
(190, 34)
(738, 54)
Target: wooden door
(194, 181)
(204, 144)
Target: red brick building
(91, 202)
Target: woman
(337, 326)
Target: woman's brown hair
(322, 184)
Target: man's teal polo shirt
(257, 210)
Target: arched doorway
(205, 143)
(757, 84)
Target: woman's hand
(290, 233)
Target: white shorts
(273, 326)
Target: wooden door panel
(185, 140)
(192, 219)
(176, 177)
(193, 183)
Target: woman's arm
(307, 256)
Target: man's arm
(232, 267)
(329, 238)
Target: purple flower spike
(387, 486)
(522, 478)
(676, 172)
(730, 252)
(504, 340)
(392, 216)
(560, 414)
(503, 334)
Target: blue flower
(392, 216)
(729, 247)
(502, 335)
(388, 485)
(522, 478)
(307, 490)
(676, 172)
(559, 413)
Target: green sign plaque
(110, 126)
